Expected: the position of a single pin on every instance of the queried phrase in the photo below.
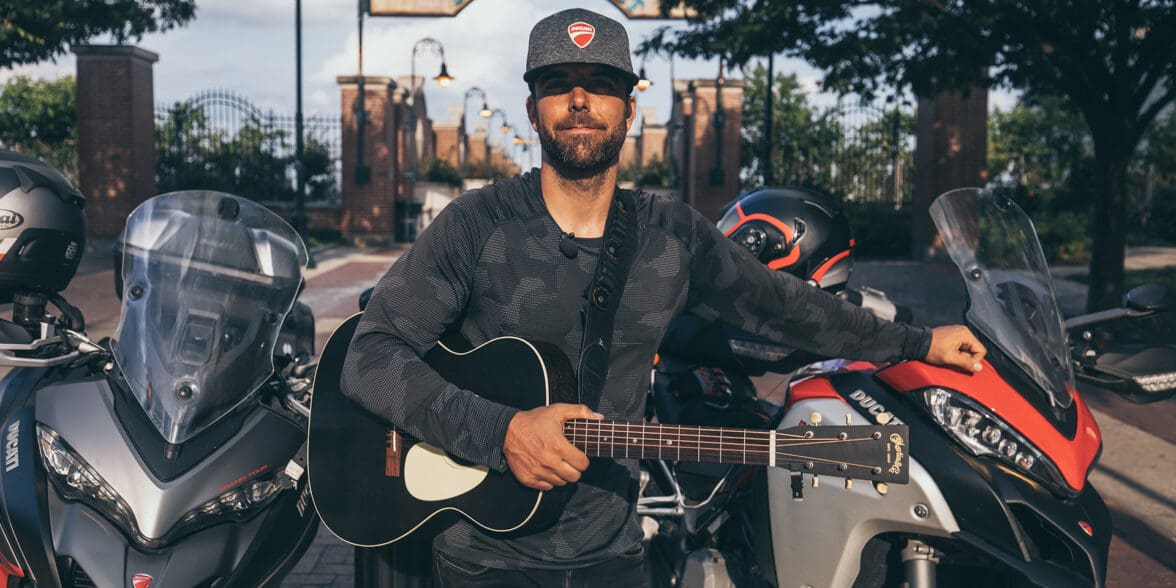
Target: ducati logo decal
(581, 33)
(12, 447)
(897, 453)
(10, 219)
(141, 581)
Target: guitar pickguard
(431, 475)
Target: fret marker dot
(668, 442)
(634, 440)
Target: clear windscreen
(1011, 294)
(207, 280)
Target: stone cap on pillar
(373, 80)
(115, 51)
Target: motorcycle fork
(919, 561)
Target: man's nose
(579, 99)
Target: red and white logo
(141, 580)
(581, 33)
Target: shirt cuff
(497, 459)
(917, 343)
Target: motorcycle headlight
(75, 480)
(985, 434)
(1161, 382)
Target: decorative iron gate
(218, 140)
(857, 152)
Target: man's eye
(603, 87)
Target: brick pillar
(446, 140)
(653, 137)
(477, 146)
(950, 152)
(629, 152)
(709, 184)
(116, 133)
(368, 207)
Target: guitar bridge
(392, 446)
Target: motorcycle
(999, 459)
(171, 453)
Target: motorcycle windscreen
(1010, 291)
(208, 279)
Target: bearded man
(520, 258)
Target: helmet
(797, 230)
(42, 227)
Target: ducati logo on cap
(141, 580)
(581, 33)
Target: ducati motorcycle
(169, 454)
(998, 493)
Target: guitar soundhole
(392, 454)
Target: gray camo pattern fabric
(491, 263)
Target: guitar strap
(617, 251)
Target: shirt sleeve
(420, 297)
(730, 284)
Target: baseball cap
(579, 36)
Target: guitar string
(721, 431)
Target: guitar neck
(866, 452)
(616, 439)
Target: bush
(880, 231)
(441, 172)
(1065, 236)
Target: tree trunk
(1109, 231)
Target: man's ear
(531, 115)
(630, 111)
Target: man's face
(581, 113)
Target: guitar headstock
(866, 452)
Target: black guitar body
(368, 503)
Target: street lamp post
(505, 127)
(443, 79)
(485, 112)
(719, 120)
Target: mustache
(580, 119)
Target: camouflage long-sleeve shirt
(490, 264)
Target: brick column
(368, 206)
(446, 140)
(116, 133)
(709, 185)
(951, 151)
(653, 137)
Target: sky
(248, 46)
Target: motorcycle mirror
(1148, 298)
(365, 297)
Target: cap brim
(629, 77)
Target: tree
(39, 118)
(1114, 62)
(43, 29)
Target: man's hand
(538, 453)
(955, 346)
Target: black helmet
(797, 230)
(42, 227)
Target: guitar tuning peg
(816, 481)
(849, 483)
(882, 487)
(815, 418)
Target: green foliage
(1113, 62)
(442, 172)
(39, 118)
(34, 30)
(880, 230)
(655, 174)
(250, 163)
(482, 169)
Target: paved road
(1135, 474)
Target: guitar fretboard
(616, 439)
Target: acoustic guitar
(373, 484)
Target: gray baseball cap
(579, 36)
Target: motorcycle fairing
(995, 508)
(1073, 456)
(24, 513)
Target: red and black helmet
(797, 230)
(42, 227)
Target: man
(517, 257)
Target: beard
(582, 154)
